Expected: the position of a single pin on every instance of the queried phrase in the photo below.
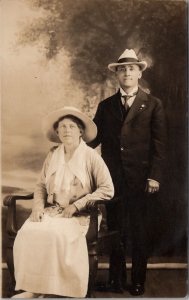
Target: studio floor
(160, 283)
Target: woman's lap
(54, 248)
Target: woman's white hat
(128, 57)
(90, 130)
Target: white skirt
(51, 257)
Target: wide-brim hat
(128, 57)
(90, 130)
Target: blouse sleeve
(40, 193)
(104, 189)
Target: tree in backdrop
(94, 33)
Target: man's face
(128, 75)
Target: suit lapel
(140, 104)
(115, 106)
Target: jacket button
(122, 148)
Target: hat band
(129, 59)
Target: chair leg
(10, 264)
(93, 266)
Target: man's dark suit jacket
(134, 144)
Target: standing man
(131, 131)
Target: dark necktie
(126, 98)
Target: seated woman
(50, 250)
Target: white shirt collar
(130, 100)
(123, 93)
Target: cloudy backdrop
(31, 86)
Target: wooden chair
(98, 242)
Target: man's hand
(69, 211)
(152, 186)
(36, 216)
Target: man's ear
(140, 75)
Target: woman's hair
(76, 120)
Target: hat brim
(142, 64)
(90, 131)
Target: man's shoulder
(108, 100)
(152, 98)
(155, 100)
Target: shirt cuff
(78, 205)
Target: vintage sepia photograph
(94, 142)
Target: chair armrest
(92, 208)
(10, 201)
(94, 203)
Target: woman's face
(69, 132)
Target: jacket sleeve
(158, 134)
(40, 193)
(98, 120)
(104, 188)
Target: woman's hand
(36, 216)
(69, 211)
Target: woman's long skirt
(51, 257)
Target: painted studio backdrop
(56, 52)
